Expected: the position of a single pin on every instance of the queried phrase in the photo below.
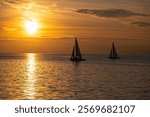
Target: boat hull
(76, 60)
(114, 57)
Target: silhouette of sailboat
(113, 53)
(76, 53)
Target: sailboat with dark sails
(76, 53)
(113, 53)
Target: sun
(31, 27)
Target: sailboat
(76, 53)
(113, 53)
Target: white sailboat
(76, 53)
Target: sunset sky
(50, 26)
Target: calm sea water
(46, 76)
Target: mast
(76, 47)
(78, 53)
(114, 51)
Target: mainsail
(113, 53)
(76, 54)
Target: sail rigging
(113, 52)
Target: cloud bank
(119, 14)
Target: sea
(30, 76)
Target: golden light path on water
(30, 90)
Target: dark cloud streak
(15, 1)
(111, 13)
(141, 24)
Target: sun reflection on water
(30, 82)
